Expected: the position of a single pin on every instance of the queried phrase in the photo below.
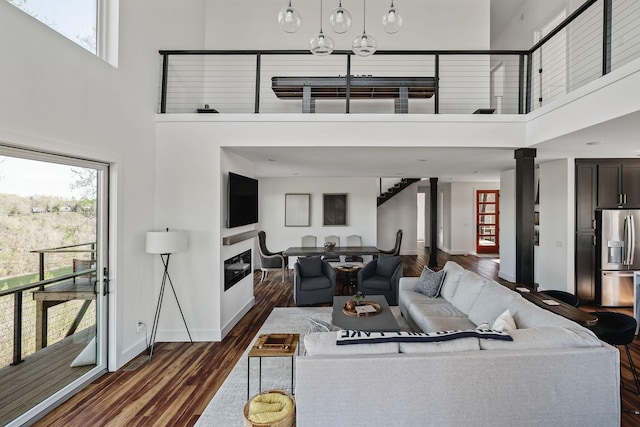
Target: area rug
(225, 409)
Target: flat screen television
(242, 200)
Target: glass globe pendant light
(364, 44)
(340, 19)
(392, 20)
(321, 44)
(289, 19)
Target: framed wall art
(334, 209)
(297, 210)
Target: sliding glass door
(53, 268)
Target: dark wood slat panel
(178, 385)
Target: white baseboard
(132, 352)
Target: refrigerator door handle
(632, 239)
(627, 241)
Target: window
(74, 19)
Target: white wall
(361, 210)
(508, 225)
(399, 213)
(59, 98)
(557, 213)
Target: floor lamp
(165, 243)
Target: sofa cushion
(468, 290)
(453, 274)
(324, 344)
(430, 282)
(314, 283)
(462, 344)
(310, 266)
(438, 308)
(504, 322)
(492, 300)
(386, 265)
(544, 338)
(528, 315)
(447, 323)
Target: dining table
(337, 250)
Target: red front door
(487, 217)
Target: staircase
(400, 185)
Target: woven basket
(288, 421)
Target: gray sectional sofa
(554, 372)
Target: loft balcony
(590, 43)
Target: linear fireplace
(237, 268)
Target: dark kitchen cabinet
(618, 185)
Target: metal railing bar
(46, 282)
(17, 327)
(342, 52)
(258, 73)
(165, 78)
(607, 26)
(521, 84)
(568, 20)
(62, 247)
(436, 93)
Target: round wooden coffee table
(350, 280)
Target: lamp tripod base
(154, 330)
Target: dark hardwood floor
(177, 386)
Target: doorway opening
(487, 220)
(53, 265)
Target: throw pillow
(310, 266)
(316, 325)
(504, 322)
(386, 265)
(430, 282)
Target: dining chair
(308, 241)
(271, 261)
(396, 248)
(354, 240)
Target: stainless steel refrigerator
(618, 255)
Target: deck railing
(22, 307)
(598, 37)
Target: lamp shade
(166, 242)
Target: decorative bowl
(329, 246)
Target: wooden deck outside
(40, 375)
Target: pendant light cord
(364, 18)
(320, 16)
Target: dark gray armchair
(314, 281)
(381, 277)
(270, 261)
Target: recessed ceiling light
(594, 142)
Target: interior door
(487, 220)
